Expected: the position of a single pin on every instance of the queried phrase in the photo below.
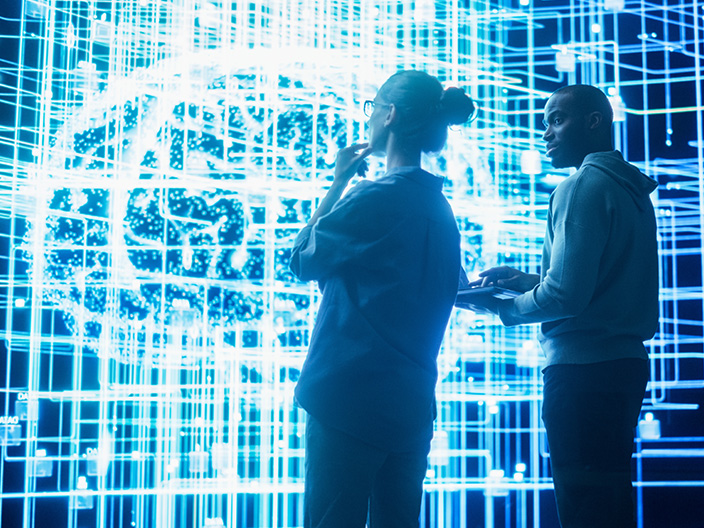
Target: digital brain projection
(158, 158)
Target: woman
(387, 259)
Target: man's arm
(580, 226)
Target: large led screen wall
(158, 158)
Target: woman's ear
(392, 116)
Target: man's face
(566, 132)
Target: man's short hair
(587, 98)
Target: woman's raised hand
(350, 161)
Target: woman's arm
(317, 246)
(349, 162)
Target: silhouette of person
(387, 260)
(597, 300)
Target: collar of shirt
(418, 175)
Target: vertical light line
(696, 12)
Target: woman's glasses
(369, 107)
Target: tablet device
(469, 294)
(471, 298)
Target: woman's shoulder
(364, 194)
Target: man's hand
(507, 277)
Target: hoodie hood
(626, 175)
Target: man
(597, 300)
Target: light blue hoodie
(598, 295)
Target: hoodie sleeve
(578, 228)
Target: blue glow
(153, 180)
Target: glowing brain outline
(203, 152)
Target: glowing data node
(565, 61)
(531, 162)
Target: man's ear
(594, 120)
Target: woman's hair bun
(455, 106)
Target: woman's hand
(350, 161)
